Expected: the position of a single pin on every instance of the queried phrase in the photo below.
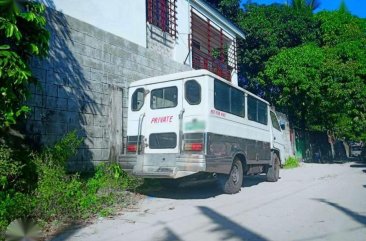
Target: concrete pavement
(312, 202)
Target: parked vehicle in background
(196, 122)
(355, 150)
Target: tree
(305, 5)
(23, 35)
(229, 8)
(323, 87)
(269, 30)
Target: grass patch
(291, 162)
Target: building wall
(159, 41)
(126, 20)
(83, 87)
(181, 50)
(287, 136)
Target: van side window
(257, 110)
(164, 98)
(192, 92)
(275, 121)
(137, 99)
(222, 96)
(237, 102)
(229, 99)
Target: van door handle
(274, 138)
(181, 113)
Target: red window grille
(211, 48)
(163, 14)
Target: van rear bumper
(163, 165)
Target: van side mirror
(283, 126)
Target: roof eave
(215, 15)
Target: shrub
(9, 168)
(291, 162)
(59, 196)
(106, 188)
(57, 193)
(13, 204)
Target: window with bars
(211, 48)
(163, 14)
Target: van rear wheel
(232, 183)
(273, 172)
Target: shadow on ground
(194, 190)
(358, 165)
(67, 232)
(354, 215)
(229, 229)
(169, 235)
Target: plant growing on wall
(220, 53)
(23, 35)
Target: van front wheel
(273, 172)
(231, 183)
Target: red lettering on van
(162, 119)
(218, 113)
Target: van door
(161, 124)
(277, 141)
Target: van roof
(186, 75)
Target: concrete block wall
(83, 87)
(159, 41)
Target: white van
(197, 122)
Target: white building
(187, 31)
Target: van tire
(232, 182)
(273, 171)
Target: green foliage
(323, 86)
(291, 162)
(229, 8)
(106, 188)
(338, 27)
(13, 204)
(305, 5)
(9, 169)
(61, 196)
(269, 30)
(296, 74)
(57, 195)
(22, 35)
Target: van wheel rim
(235, 174)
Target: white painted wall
(127, 19)
(181, 50)
(124, 18)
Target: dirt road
(313, 202)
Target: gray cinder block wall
(83, 87)
(159, 41)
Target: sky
(356, 7)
